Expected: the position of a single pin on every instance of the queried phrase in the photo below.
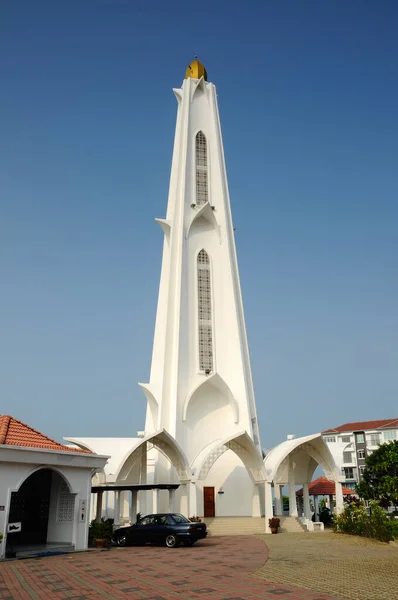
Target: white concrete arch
(216, 381)
(293, 462)
(244, 448)
(48, 468)
(205, 212)
(163, 442)
(99, 477)
(312, 445)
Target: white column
(184, 505)
(172, 495)
(155, 498)
(268, 505)
(306, 502)
(124, 505)
(143, 480)
(193, 509)
(256, 504)
(278, 500)
(133, 507)
(292, 493)
(117, 509)
(316, 505)
(98, 513)
(339, 497)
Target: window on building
(347, 457)
(373, 439)
(350, 485)
(348, 472)
(361, 454)
(360, 438)
(390, 435)
(66, 505)
(346, 439)
(205, 326)
(202, 187)
(362, 469)
(329, 438)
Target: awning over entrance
(134, 488)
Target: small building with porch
(44, 492)
(320, 488)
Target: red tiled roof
(16, 433)
(323, 487)
(364, 425)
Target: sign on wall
(82, 510)
(14, 527)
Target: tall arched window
(202, 192)
(205, 326)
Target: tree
(380, 478)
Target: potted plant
(100, 532)
(274, 524)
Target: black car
(166, 528)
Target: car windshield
(180, 519)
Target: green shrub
(355, 520)
(101, 530)
(393, 525)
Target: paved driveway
(352, 567)
(216, 568)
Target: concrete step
(235, 525)
(249, 525)
(291, 525)
(27, 551)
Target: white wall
(57, 532)
(229, 474)
(13, 474)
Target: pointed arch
(206, 212)
(205, 320)
(163, 442)
(216, 381)
(243, 446)
(202, 183)
(306, 453)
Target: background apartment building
(351, 443)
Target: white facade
(200, 389)
(200, 398)
(292, 463)
(71, 474)
(350, 447)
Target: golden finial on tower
(196, 70)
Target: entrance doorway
(30, 506)
(209, 505)
(45, 507)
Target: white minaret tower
(200, 389)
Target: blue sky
(308, 97)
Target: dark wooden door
(208, 502)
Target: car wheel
(171, 541)
(122, 540)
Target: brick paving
(351, 567)
(216, 568)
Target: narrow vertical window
(205, 325)
(202, 194)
